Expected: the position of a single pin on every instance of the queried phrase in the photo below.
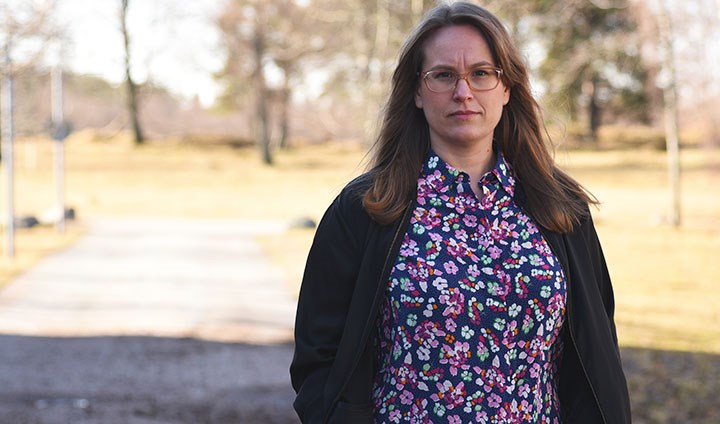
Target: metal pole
(671, 114)
(59, 136)
(6, 107)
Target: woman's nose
(462, 90)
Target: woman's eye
(443, 75)
(479, 73)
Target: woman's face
(460, 118)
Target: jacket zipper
(403, 224)
(570, 322)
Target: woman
(461, 278)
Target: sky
(173, 43)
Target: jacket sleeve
(330, 274)
(592, 385)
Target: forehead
(456, 45)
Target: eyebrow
(452, 68)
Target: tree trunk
(132, 95)
(375, 69)
(262, 132)
(594, 110)
(285, 116)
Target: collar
(440, 176)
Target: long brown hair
(554, 199)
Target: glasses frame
(464, 76)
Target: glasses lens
(441, 81)
(481, 79)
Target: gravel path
(149, 321)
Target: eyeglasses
(480, 79)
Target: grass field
(667, 295)
(665, 278)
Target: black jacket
(342, 289)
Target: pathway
(149, 321)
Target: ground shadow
(48, 380)
(668, 387)
(132, 380)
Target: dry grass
(665, 278)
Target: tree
(260, 37)
(593, 58)
(363, 51)
(131, 86)
(24, 27)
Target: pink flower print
(450, 325)
(454, 419)
(440, 283)
(481, 417)
(419, 270)
(488, 199)
(456, 356)
(470, 221)
(525, 406)
(504, 286)
(405, 375)
(473, 270)
(454, 302)
(423, 353)
(452, 396)
(450, 267)
(535, 370)
(486, 378)
(494, 400)
(515, 246)
(431, 182)
(409, 248)
(510, 334)
(436, 237)
(442, 388)
(427, 332)
(475, 311)
(428, 218)
(461, 235)
(419, 412)
(395, 416)
(457, 250)
(524, 391)
(406, 397)
(531, 228)
(510, 228)
(494, 252)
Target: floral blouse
(469, 329)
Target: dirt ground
(138, 380)
(149, 321)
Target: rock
(27, 221)
(303, 222)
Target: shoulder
(357, 187)
(349, 201)
(346, 214)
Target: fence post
(6, 113)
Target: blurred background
(263, 109)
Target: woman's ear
(418, 99)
